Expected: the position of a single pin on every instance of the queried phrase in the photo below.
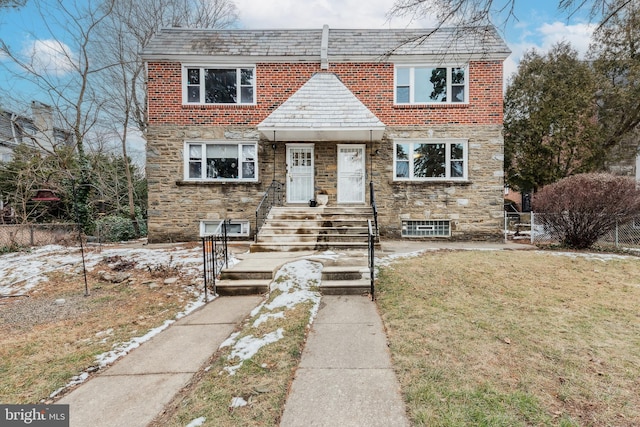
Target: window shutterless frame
(431, 84)
(430, 159)
(221, 161)
(218, 85)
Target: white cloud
(544, 37)
(49, 57)
(316, 13)
(579, 35)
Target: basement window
(414, 228)
(234, 228)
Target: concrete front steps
(344, 275)
(318, 228)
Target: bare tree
(127, 30)
(469, 13)
(61, 68)
(12, 3)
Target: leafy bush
(114, 228)
(580, 209)
(13, 247)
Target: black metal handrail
(372, 257)
(215, 253)
(374, 207)
(272, 197)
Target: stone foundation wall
(474, 207)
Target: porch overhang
(311, 134)
(323, 109)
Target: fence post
(617, 235)
(532, 228)
(505, 227)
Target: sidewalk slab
(176, 350)
(136, 388)
(345, 398)
(122, 401)
(346, 346)
(345, 377)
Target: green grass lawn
(515, 338)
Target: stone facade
(474, 207)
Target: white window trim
(186, 160)
(185, 94)
(245, 226)
(412, 68)
(448, 142)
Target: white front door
(299, 173)
(351, 173)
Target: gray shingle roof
(322, 108)
(344, 44)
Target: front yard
(515, 338)
(495, 338)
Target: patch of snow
(266, 316)
(197, 422)
(237, 402)
(78, 379)
(590, 256)
(256, 310)
(230, 341)
(246, 347)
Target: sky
(538, 25)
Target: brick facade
(474, 207)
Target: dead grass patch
(45, 342)
(514, 338)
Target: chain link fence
(14, 236)
(529, 226)
(26, 235)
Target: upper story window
(430, 160)
(429, 85)
(221, 161)
(219, 85)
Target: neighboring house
(625, 157)
(326, 111)
(37, 131)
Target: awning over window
(323, 109)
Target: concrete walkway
(345, 377)
(136, 388)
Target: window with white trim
(221, 161)
(430, 85)
(234, 228)
(427, 228)
(219, 85)
(430, 160)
